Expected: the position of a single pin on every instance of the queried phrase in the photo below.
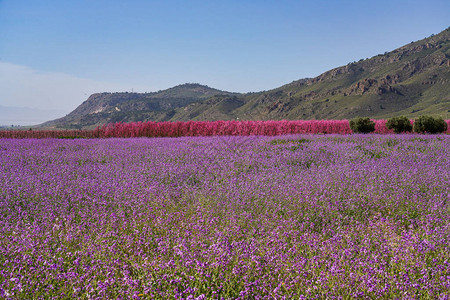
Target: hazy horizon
(54, 54)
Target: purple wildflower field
(303, 217)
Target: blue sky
(53, 54)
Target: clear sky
(55, 53)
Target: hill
(411, 80)
(104, 108)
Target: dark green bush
(429, 124)
(399, 124)
(362, 125)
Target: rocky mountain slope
(411, 80)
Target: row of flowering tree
(201, 128)
(206, 128)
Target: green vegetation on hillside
(412, 80)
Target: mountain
(104, 108)
(412, 80)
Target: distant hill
(411, 80)
(104, 108)
(25, 116)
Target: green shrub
(399, 124)
(429, 124)
(362, 125)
